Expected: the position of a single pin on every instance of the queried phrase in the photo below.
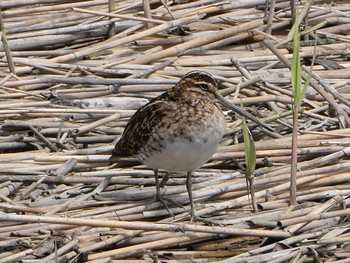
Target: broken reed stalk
(125, 40)
(10, 63)
(142, 225)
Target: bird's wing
(141, 126)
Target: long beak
(241, 112)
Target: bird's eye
(203, 86)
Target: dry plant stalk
(82, 68)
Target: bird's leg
(165, 179)
(159, 195)
(194, 217)
(189, 190)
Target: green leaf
(307, 81)
(296, 68)
(249, 149)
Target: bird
(179, 130)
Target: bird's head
(204, 84)
(199, 82)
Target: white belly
(183, 155)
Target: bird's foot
(164, 201)
(206, 221)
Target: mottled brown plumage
(175, 113)
(179, 130)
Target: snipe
(179, 130)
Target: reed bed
(73, 72)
